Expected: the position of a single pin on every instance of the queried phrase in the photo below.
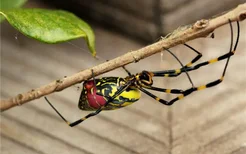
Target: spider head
(145, 78)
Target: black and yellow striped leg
(80, 120)
(174, 73)
(123, 88)
(188, 76)
(225, 56)
(76, 122)
(199, 55)
(169, 91)
(177, 72)
(208, 85)
(84, 118)
(188, 91)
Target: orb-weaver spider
(110, 93)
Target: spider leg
(56, 110)
(173, 73)
(208, 85)
(181, 65)
(172, 91)
(189, 67)
(73, 123)
(199, 55)
(188, 91)
(127, 71)
(122, 89)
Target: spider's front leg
(177, 72)
(188, 91)
(188, 67)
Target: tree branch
(183, 34)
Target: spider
(109, 93)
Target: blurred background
(209, 121)
(145, 20)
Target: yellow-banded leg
(176, 72)
(189, 67)
(148, 85)
(80, 120)
(169, 91)
(123, 88)
(208, 85)
(182, 64)
(199, 55)
(120, 90)
(188, 91)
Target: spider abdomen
(93, 97)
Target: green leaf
(10, 4)
(50, 26)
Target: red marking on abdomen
(94, 100)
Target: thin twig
(200, 29)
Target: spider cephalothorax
(142, 79)
(145, 78)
